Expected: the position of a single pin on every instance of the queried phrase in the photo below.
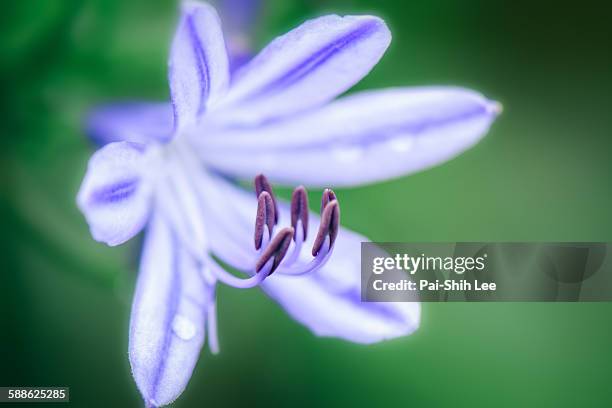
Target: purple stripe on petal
(167, 323)
(198, 63)
(306, 67)
(317, 59)
(114, 193)
(362, 138)
(202, 65)
(171, 309)
(414, 129)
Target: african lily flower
(171, 168)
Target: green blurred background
(542, 174)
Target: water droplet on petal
(183, 327)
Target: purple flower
(169, 167)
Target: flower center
(278, 250)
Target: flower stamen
(262, 184)
(275, 250)
(328, 195)
(299, 211)
(273, 247)
(266, 216)
(330, 220)
(324, 240)
(241, 283)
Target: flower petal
(141, 122)
(115, 195)
(198, 66)
(168, 316)
(304, 68)
(327, 301)
(363, 138)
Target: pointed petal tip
(198, 63)
(109, 242)
(495, 108)
(408, 330)
(373, 22)
(382, 26)
(167, 319)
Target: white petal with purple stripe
(198, 65)
(306, 67)
(116, 193)
(362, 138)
(168, 316)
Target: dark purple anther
(262, 184)
(328, 195)
(299, 210)
(265, 216)
(330, 220)
(277, 248)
